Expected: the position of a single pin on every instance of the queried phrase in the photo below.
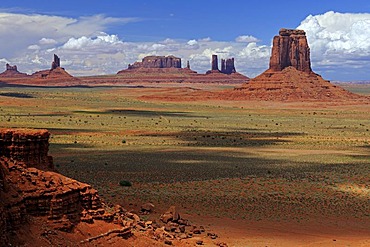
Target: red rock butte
(168, 69)
(56, 72)
(290, 77)
(12, 72)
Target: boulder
(170, 215)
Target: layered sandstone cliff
(290, 48)
(28, 146)
(29, 185)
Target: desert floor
(256, 173)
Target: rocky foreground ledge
(31, 191)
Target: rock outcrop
(290, 77)
(56, 63)
(214, 63)
(12, 72)
(290, 48)
(28, 146)
(29, 186)
(157, 62)
(227, 66)
(56, 72)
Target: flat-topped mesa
(290, 48)
(28, 146)
(157, 62)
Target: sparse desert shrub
(125, 183)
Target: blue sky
(110, 34)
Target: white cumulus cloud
(339, 42)
(246, 39)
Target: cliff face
(157, 62)
(30, 186)
(290, 48)
(28, 146)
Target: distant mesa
(227, 66)
(56, 72)
(290, 77)
(169, 69)
(12, 72)
(158, 64)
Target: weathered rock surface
(290, 48)
(291, 84)
(157, 62)
(227, 66)
(12, 72)
(56, 72)
(56, 63)
(28, 146)
(29, 186)
(214, 64)
(290, 77)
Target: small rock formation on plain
(12, 72)
(56, 72)
(157, 62)
(290, 77)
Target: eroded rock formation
(30, 147)
(227, 66)
(290, 77)
(290, 48)
(30, 186)
(214, 64)
(56, 62)
(157, 62)
(56, 72)
(12, 72)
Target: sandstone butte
(12, 72)
(55, 76)
(40, 207)
(290, 77)
(167, 69)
